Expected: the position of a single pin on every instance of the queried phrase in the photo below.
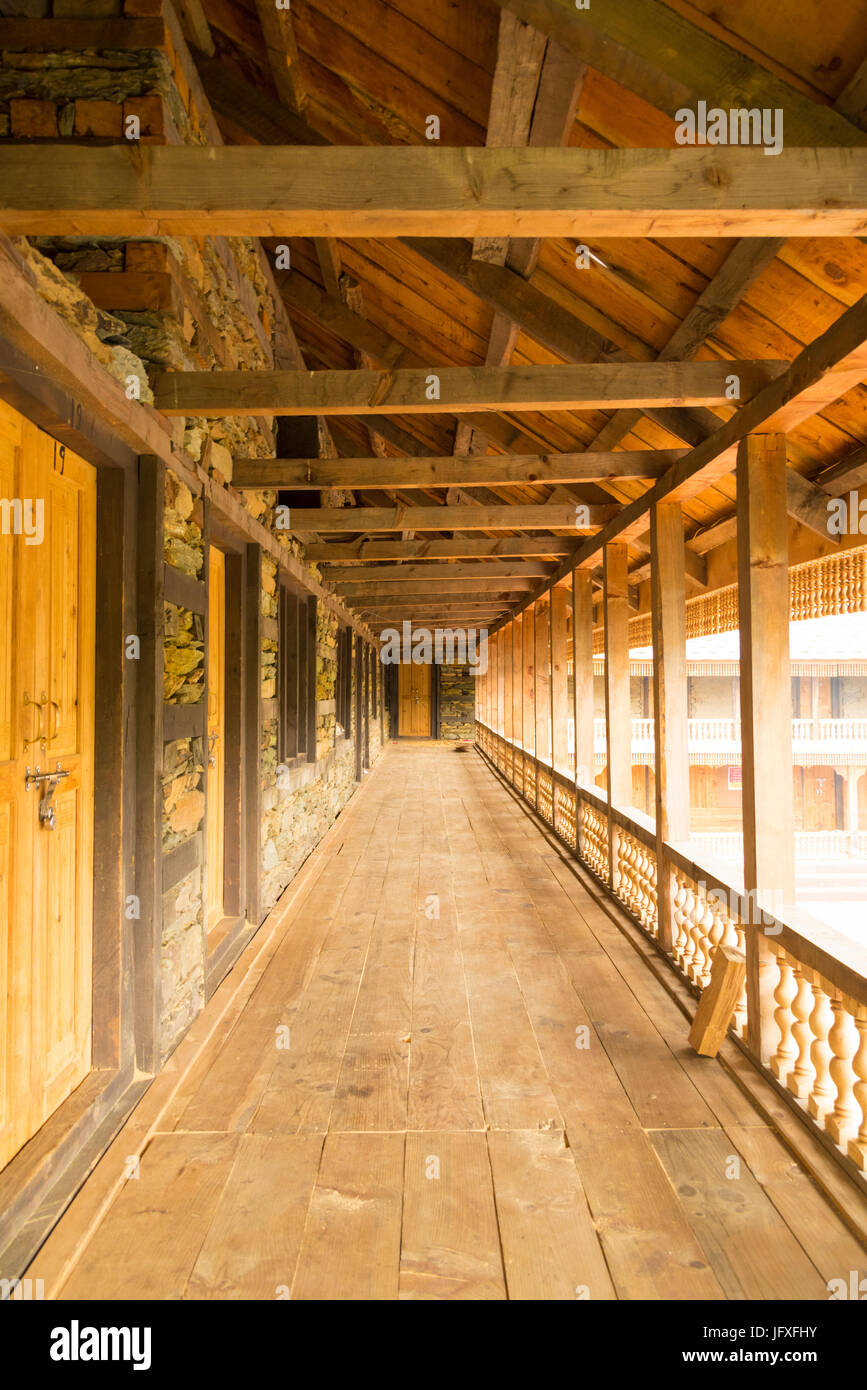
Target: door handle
(48, 782)
(213, 738)
(40, 733)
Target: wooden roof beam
(435, 570)
(357, 553)
(468, 470)
(440, 390)
(506, 518)
(352, 191)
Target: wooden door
(47, 624)
(414, 701)
(216, 790)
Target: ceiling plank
(353, 191)
(468, 470)
(661, 56)
(415, 391)
(373, 591)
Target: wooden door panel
(414, 700)
(46, 875)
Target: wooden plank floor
(485, 1094)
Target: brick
(103, 118)
(31, 118)
(151, 113)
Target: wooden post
(252, 698)
(766, 708)
(149, 761)
(508, 734)
(618, 722)
(529, 693)
(582, 664)
(670, 708)
(501, 682)
(518, 681)
(543, 682)
(559, 678)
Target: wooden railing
(810, 990)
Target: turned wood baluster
(787, 1051)
(858, 1145)
(800, 1078)
(842, 1123)
(822, 1094)
(678, 912)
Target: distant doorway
(414, 701)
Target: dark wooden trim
(113, 775)
(185, 591)
(357, 729)
(234, 867)
(149, 761)
(233, 934)
(184, 721)
(252, 730)
(54, 410)
(180, 861)
(436, 715)
(309, 710)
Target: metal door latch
(48, 782)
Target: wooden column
(507, 659)
(149, 762)
(766, 706)
(543, 681)
(529, 682)
(670, 709)
(518, 681)
(618, 723)
(560, 678)
(501, 681)
(252, 698)
(358, 707)
(582, 661)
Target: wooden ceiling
(375, 73)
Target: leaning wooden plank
(412, 391)
(353, 191)
(718, 1000)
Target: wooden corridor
(435, 1128)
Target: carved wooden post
(766, 708)
(670, 709)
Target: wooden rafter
(470, 518)
(186, 190)
(439, 390)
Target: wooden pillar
(508, 632)
(252, 700)
(582, 662)
(518, 681)
(618, 723)
(670, 709)
(543, 679)
(501, 682)
(560, 678)
(149, 761)
(529, 692)
(766, 706)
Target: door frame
(433, 702)
(109, 1089)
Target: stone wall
(457, 692)
(154, 304)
